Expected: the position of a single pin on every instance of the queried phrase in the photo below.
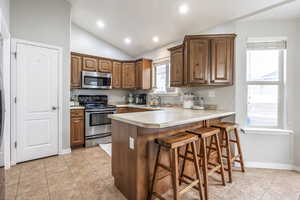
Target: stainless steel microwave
(96, 80)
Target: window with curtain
(265, 87)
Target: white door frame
(14, 137)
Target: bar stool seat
(204, 134)
(226, 129)
(172, 145)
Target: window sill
(267, 131)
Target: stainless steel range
(97, 123)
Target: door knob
(54, 108)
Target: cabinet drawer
(77, 113)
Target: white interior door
(37, 101)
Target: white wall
(84, 42)
(4, 5)
(47, 22)
(262, 147)
(297, 100)
(259, 147)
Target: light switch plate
(212, 94)
(131, 143)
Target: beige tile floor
(85, 174)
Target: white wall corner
(65, 151)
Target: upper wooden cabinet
(90, 64)
(143, 74)
(197, 61)
(105, 66)
(76, 66)
(222, 62)
(128, 75)
(135, 74)
(117, 75)
(207, 60)
(176, 69)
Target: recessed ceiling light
(100, 24)
(127, 40)
(183, 9)
(155, 39)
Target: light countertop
(168, 117)
(77, 107)
(137, 106)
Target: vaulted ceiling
(141, 20)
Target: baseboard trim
(268, 165)
(65, 151)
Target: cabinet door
(90, 64)
(198, 61)
(105, 66)
(222, 61)
(76, 65)
(128, 75)
(176, 67)
(117, 75)
(139, 74)
(77, 131)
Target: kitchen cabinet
(77, 136)
(176, 67)
(222, 53)
(207, 60)
(197, 60)
(105, 66)
(76, 66)
(117, 75)
(131, 110)
(128, 75)
(143, 74)
(90, 64)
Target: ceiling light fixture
(100, 24)
(155, 39)
(127, 40)
(183, 9)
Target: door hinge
(15, 99)
(15, 54)
(16, 144)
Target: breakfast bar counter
(134, 148)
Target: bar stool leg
(155, 173)
(228, 152)
(196, 164)
(220, 158)
(183, 163)
(237, 137)
(174, 168)
(204, 166)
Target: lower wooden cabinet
(77, 136)
(131, 109)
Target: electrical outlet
(131, 143)
(212, 94)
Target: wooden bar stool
(172, 145)
(204, 134)
(226, 129)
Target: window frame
(279, 83)
(170, 91)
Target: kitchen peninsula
(134, 150)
